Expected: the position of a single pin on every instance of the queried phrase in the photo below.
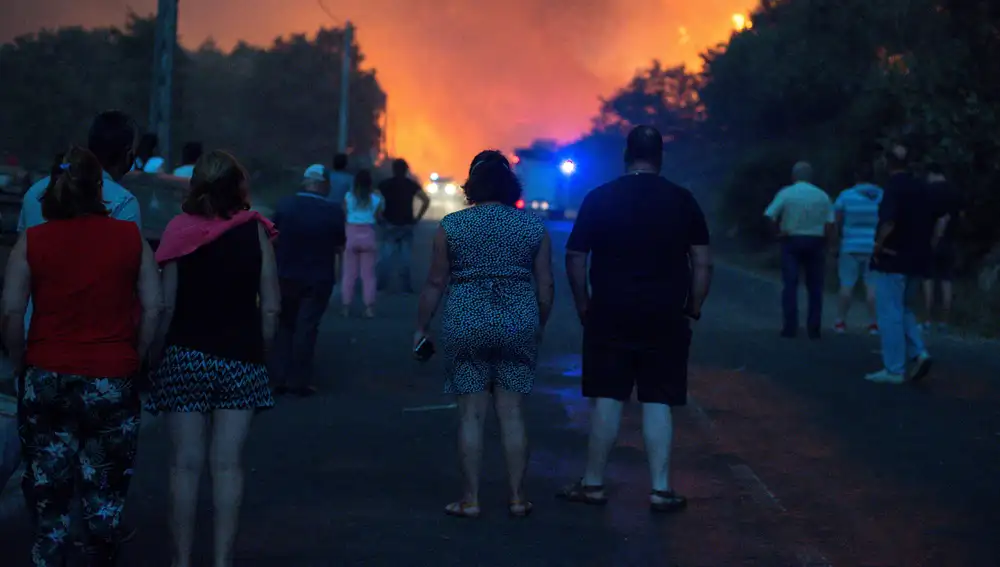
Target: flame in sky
(460, 75)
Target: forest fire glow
(741, 22)
(459, 76)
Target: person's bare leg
(658, 435)
(515, 440)
(472, 415)
(929, 300)
(947, 291)
(229, 432)
(870, 301)
(605, 419)
(844, 303)
(187, 434)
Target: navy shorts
(657, 367)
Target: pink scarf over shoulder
(186, 233)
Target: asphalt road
(787, 455)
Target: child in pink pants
(363, 206)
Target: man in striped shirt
(857, 217)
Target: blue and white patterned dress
(490, 321)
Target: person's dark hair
(492, 180)
(400, 168)
(363, 187)
(76, 189)
(112, 137)
(340, 162)
(191, 153)
(56, 168)
(218, 187)
(147, 146)
(897, 160)
(644, 145)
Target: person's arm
(702, 266)
(425, 203)
(545, 288)
(940, 227)
(128, 210)
(437, 283)
(830, 229)
(168, 288)
(150, 297)
(22, 223)
(270, 292)
(379, 208)
(887, 214)
(578, 247)
(775, 210)
(16, 291)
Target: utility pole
(345, 85)
(161, 101)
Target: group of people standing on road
(493, 262)
(201, 313)
(896, 239)
(224, 315)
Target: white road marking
(761, 494)
(759, 491)
(809, 557)
(431, 408)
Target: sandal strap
(588, 487)
(664, 494)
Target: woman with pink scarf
(221, 301)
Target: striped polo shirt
(859, 208)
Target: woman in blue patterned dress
(495, 262)
(220, 290)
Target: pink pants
(360, 255)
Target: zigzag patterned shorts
(192, 381)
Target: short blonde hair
(218, 186)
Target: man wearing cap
(311, 236)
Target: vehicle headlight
(545, 205)
(432, 188)
(535, 205)
(450, 189)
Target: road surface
(787, 455)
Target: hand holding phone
(423, 348)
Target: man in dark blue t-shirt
(650, 272)
(901, 259)
(311, 236)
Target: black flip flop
(671, 501)
(583, 494)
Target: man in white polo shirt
(804, 216)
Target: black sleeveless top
(216, 311)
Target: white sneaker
(885, 377)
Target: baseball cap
(315, 172)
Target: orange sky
(460, 75)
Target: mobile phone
(424, 350)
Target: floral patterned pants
(80, 433)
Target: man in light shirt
(341, 180)
(804, 216)
(190, 154)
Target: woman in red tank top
(78, 409)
